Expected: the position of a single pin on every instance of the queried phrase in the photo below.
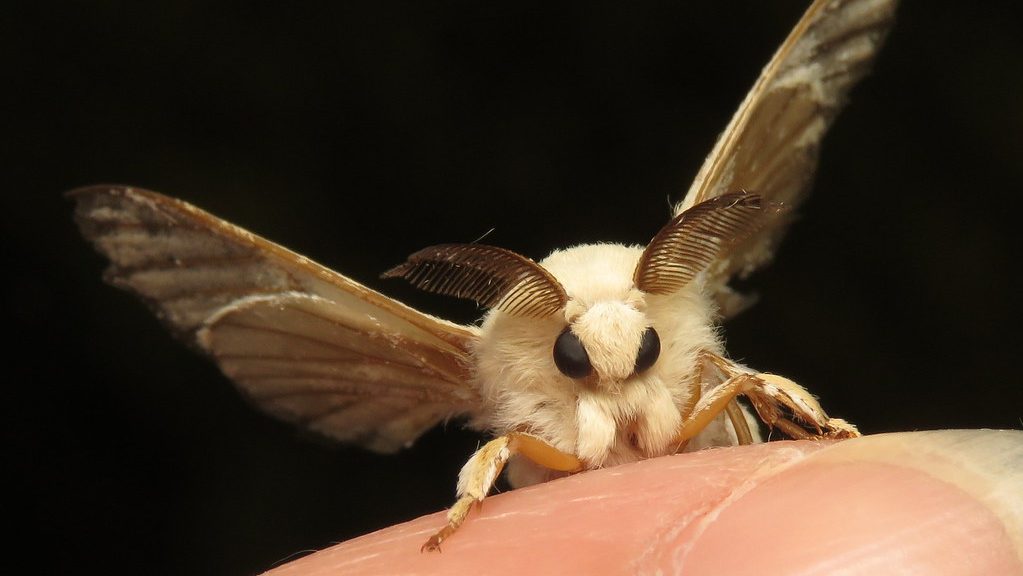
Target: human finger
(944, 502)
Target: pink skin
(931, 503)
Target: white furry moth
(597, 355)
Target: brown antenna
(493, 277)
(694, 239)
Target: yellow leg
(481, 471)
(712, 404)
(706, 371)
(739, 423)
(543, 453)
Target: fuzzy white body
(613, 416)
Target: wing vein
(361, 388)
(326, 343)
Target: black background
(359, 132)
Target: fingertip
(942, 502)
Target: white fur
(612, 416)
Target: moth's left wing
(303, 342)
(771, 145)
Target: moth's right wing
(771, 145)
(303, 342)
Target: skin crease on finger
(945, 502)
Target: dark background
(360, 132)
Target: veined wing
(304, 342)
(771, 145)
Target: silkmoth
(595, 356)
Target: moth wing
(335, 371)
(364, 368)
(771, 145)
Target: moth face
(607, 336)
(606, 376)
(594, 342)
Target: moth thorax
(611, 332)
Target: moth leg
(474, 482)
(481, 471)
(735, 413)
(542, 453)
(768, 393)
(713, 402)
(774, 390)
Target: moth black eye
(649, 350)
(570, 357)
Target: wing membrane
(302, 341)
(771, 145)
(309, 361)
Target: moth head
(584, 310)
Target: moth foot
(433, 543)
(839, 429)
